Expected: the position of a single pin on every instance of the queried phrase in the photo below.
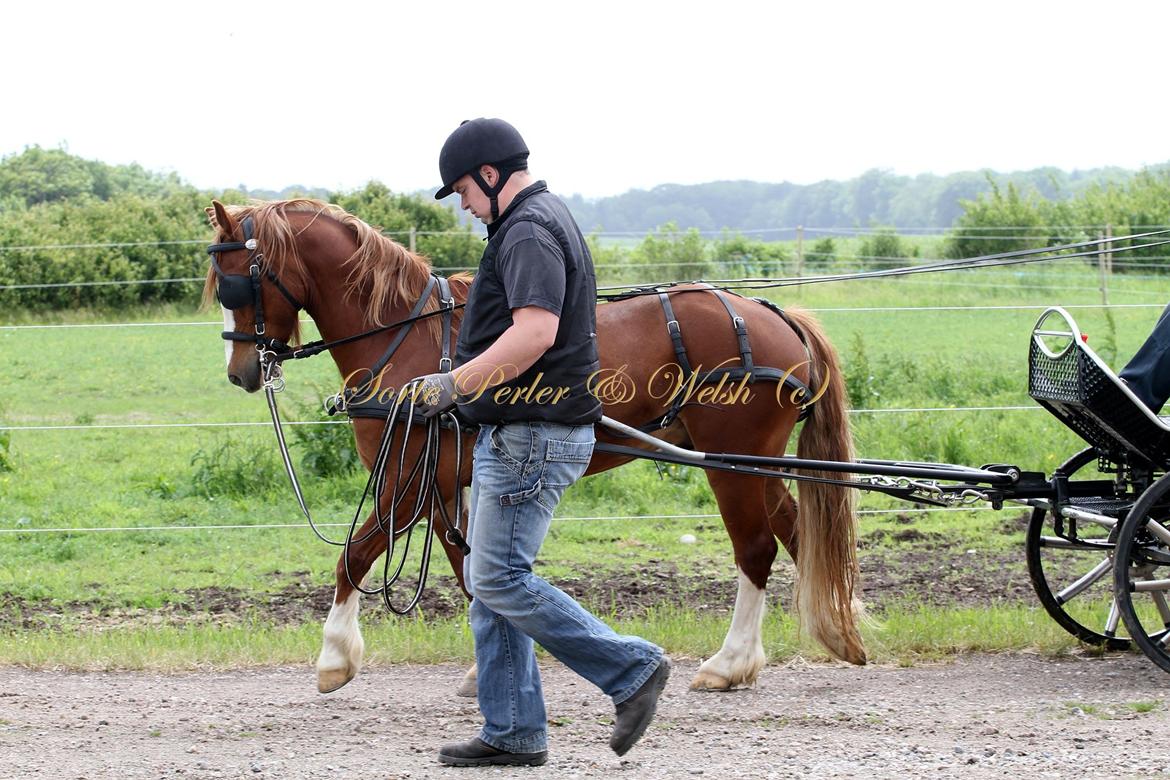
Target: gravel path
(982, 716)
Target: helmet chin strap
(493, 193)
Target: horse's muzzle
(246, 376)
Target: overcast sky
(609, 95)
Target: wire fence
(812, 258)
(702, 265)
(256, 424)
(1015, 233)
(837, 309)
(26, 529)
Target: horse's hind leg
(742, 502)
(468, 687)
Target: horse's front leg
(343, 647)
(341, 653)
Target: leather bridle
(238, 291)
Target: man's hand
(434, 393)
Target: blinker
(234, 291)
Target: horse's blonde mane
(380, 270)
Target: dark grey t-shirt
(536, 256)
(532, 266)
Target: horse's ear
(220, 218)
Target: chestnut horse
(349, 277)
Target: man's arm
(532, 332)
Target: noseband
(237, 291)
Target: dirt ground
(981, 716)
(1017, 716)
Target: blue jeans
(520, 472)
(1148, 372)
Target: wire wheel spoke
(1090, 577)
(1162, 607)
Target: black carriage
(1098, 548)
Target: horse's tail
(826, 524)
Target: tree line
(875, 198)
(73, 223)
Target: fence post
(1103, 262)
(799, 251)
(1109, 250)
(413, 232)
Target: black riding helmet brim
(479, 142)
(504, 168)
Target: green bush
(669, 253)
(860, 382)
(734, 256)
(6, 463)
(1008, 220)
(878, 249)
(85, 223)
(326, 450)
(234, 469)
(823, 253)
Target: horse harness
(236, 291)
(733, 373)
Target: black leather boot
(635, 713)
(476, 752)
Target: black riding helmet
(479, 142)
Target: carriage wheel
(1072, 580)
(1142, 572)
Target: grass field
(196, 477)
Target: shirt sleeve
(531, 266)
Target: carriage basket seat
(1067, 378)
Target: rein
(428, 496)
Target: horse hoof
(330, 681)
(467, 688)
(705, 681)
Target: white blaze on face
(229, 323)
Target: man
(1148, 372)
(526, 349)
